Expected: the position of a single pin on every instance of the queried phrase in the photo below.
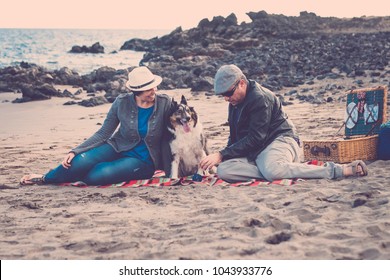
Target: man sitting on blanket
(263, 143)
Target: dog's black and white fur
(188, 144)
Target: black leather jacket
(261, 120)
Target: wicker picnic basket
(365, 112)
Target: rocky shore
(281, 52)
(277, 50)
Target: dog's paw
(207, 172)
(213, 170)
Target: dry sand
(314, 219)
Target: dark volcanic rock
(278, 51)
(94, 101)
(37, 83)
(95, 48)
(66, 76)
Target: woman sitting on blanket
(135, 151)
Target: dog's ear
(173, 107)
(194, 115)
(183, 100)
(174, 104)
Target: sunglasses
(229, 93)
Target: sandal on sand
(32, 179)
(354, 167)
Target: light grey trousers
(280, 160)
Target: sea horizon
(49, 47)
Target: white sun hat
(141, 79)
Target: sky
(167, 14)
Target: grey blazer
(124, 112)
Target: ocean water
(50, 48)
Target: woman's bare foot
(356, 168)
(32, 179)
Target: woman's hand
(210, 161)
(67, 160)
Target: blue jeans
(101, 166)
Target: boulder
(95, 48)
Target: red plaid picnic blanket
(160, 180)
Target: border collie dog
(188, 144)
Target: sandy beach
(313, 219)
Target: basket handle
(317, 150)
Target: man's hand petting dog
(210, 161)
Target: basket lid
(365, 111)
